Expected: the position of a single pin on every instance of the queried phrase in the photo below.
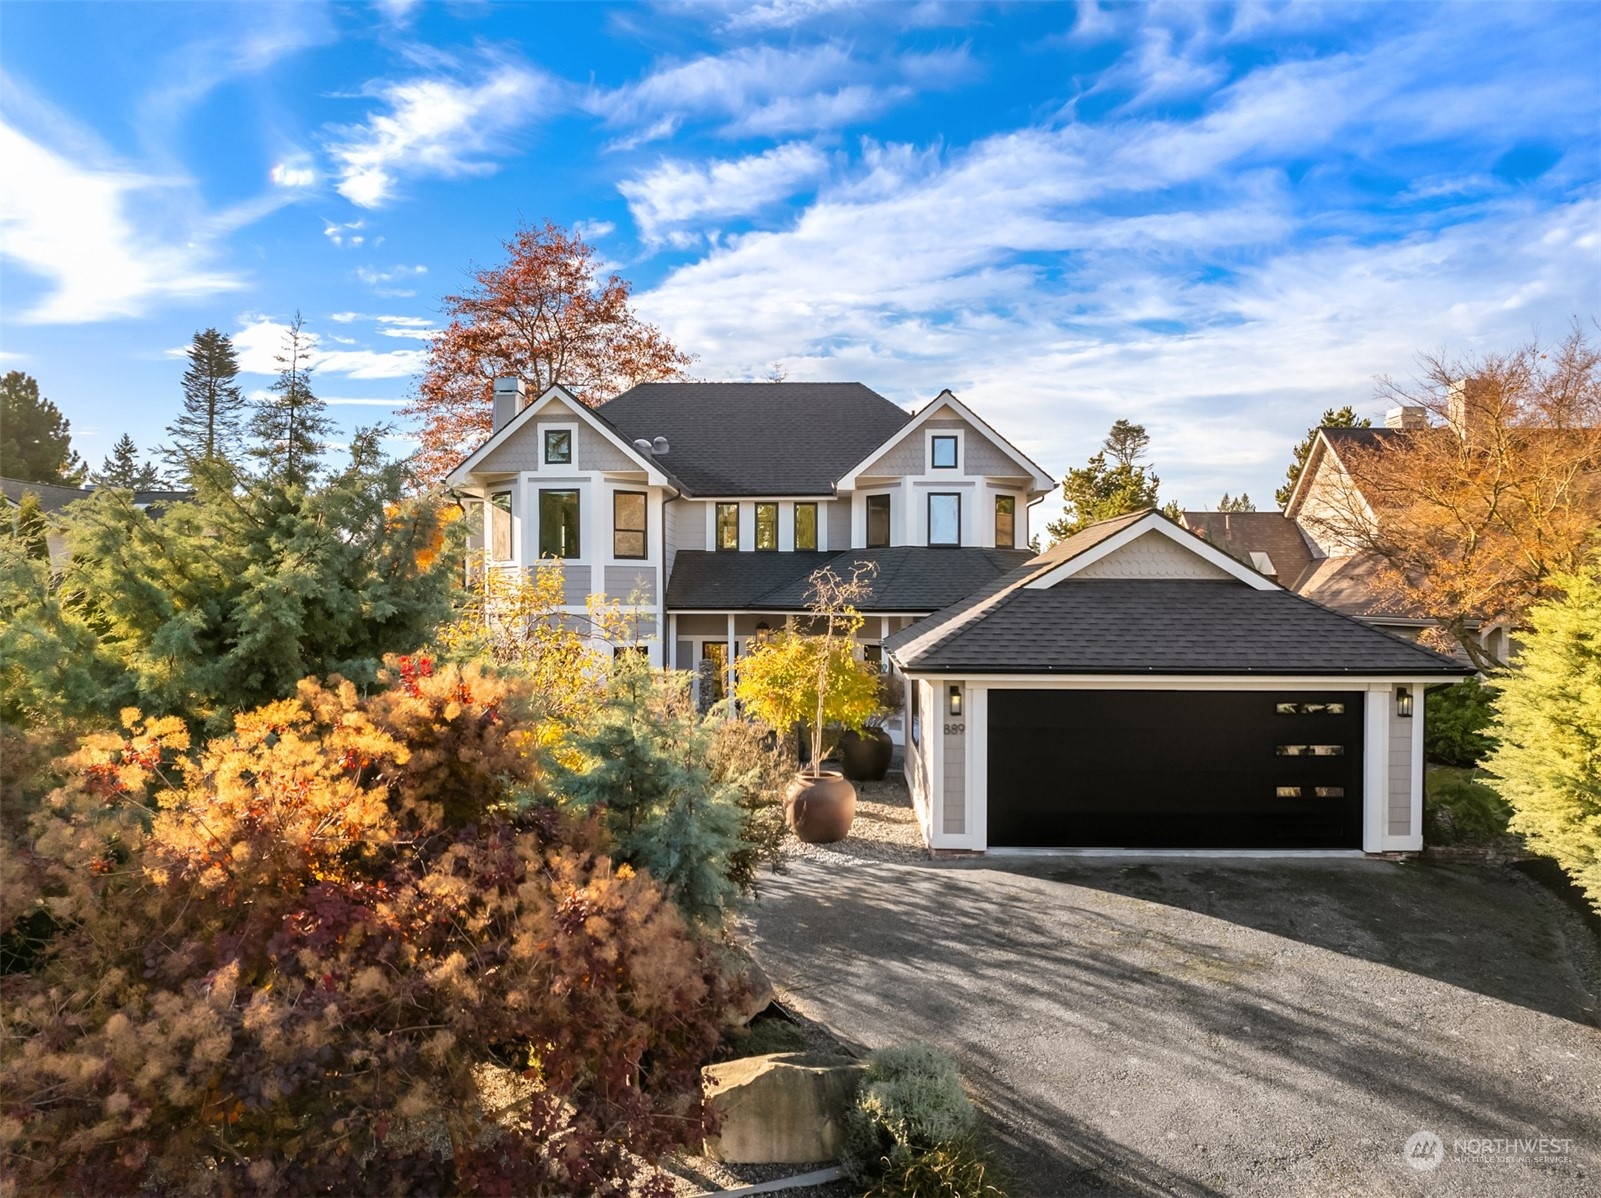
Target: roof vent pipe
(511, 397)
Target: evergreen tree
(290, 428)
(649, 771)
(210, 424)
(1101, 489)
(1235, 503)
(31, 529)
(123, 470)
(35, 439)
(1548, 731)
(1343, 418)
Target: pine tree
(123, 470)
(210, 424)
(1100, 490)
(1235, 503)
(35, 439)
(31, 528)
(650, 773)
(290, 428)
(1345, 417)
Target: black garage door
(1175, 769)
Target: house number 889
(955, 729)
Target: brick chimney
(1406, 416)
(511, 397)
(1471, 410)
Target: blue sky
(1215, 220)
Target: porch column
(729, 664)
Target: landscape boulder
(755, 992)
(783, 1108)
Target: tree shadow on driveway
(1135, 1045)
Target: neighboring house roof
(909, 578)
(52, 497)
(757, 438)
(1243, 534)
(1045, 617)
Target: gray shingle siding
(953, 820)
(621, 582)
(1400, 777)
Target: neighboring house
(53, 498)
(1299, 549)
(1137, 687)
(715, 502)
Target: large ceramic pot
(865, 756)
(819, 809)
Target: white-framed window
(630, 511)
(943, 451)
(558, 446)
(498, 534)
(944, 518)
(805, 527)
(1006, 522)
(878, 509)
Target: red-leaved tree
(543, 316)
(329, 953)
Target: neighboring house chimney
(1470, 410)
(511, 397)
(1406, 416)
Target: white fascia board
(1041, 481)
(1153, 522)
(556, 393)
(1177, 682)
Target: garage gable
(1147, 546)
(1151, 555)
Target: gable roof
(1332, 440)
(52, 497)
(1166, 626)
(756, 438)
(909, 578)
(947, 402)
(581, 411)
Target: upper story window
(628, 510)
(944, 519)
(558, 447)
(1006, 522)
(500, 526)
(725, 530)
(558, 524)
(805, 527)
(878, 521)
(767, 526)
(944, 450)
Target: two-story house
(713, 503)
(1131, 687)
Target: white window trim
(928, 507)
(932, 471)
(558, 426)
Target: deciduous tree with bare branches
(1473, 514)
(543, 316)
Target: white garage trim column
(978, 727)
(1376, 767)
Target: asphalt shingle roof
(1162, 626)
(909, 578)
(757, 438)
(1239, 534)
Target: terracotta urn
(819, 808)
(865, 755)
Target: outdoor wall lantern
(764, 632)
(956, 700)
(1403, 701)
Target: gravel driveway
(1198, 1026)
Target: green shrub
(910, 1103)
(1454, 720)
(1459, 808)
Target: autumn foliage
(343, 949)
(542, 316)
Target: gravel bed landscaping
(885, 829)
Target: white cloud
(434, 126)
(108, 241)
(344, 232)
(261, 339)
(295, 171)
(676, 194)
(374, 277)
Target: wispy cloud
(261, 339)
(674, 195)
(438, 126)
(108, 241)
(767, 91)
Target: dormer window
(805, 527)
(558, 447)
(726, 526)
(1006, 522)
(767, 526)
(944, 450)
